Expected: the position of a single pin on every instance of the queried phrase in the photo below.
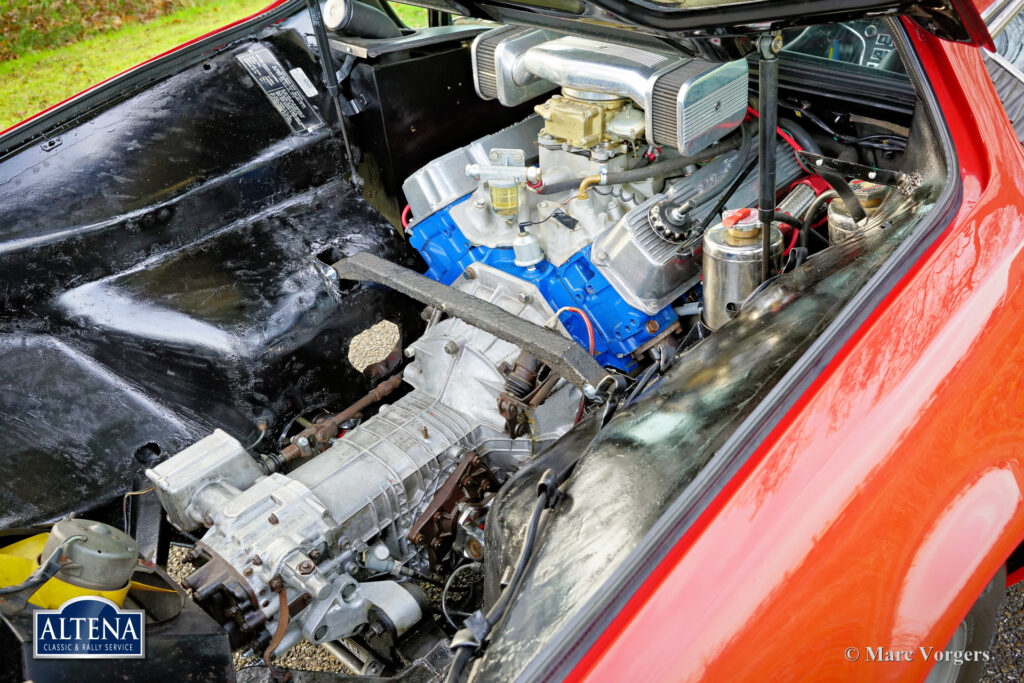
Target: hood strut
(768, 45)
(331, 81)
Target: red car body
(893, 491)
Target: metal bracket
(849, 169)
(354, 106)
(375, 47)
(563, 355)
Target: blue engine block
(619, 329)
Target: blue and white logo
(89, 628)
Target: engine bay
(573, 270)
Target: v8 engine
(615, 216)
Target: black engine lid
(722, 28)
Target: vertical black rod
(768, 98)
(316, 17)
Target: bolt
(314, 554)
(451, 348)
(426, 434)
(247, 571)
(273, 518)
(303, 442)
(207, 520)
(651, 326)
(524, 297)
(872, 175)
(418, 540)
(469, 273)
(819, 162)
(257, 560)
(263, 591)
(600, 256)
(410, 352)
(276, 584)
(306, 567)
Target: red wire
(792, 243)
(586, 321)
(405, 216)
(590, 341)
(787, 137)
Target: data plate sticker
(281, 90)
(303, 80)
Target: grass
(43, 24)
(414, 17)
(41, 78)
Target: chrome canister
(732, 266)
(841, 225)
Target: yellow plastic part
(20, 559)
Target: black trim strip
(565, 650)
(137, 79)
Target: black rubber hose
(846, 195)
(665, 168)
(838, 150)
(497, 610)
(746, 143)
(466, 652)
(802, 137)
(787, 219)
(366, 21)
(812, 211)
(836, 181)
(720, 204)
(459, 663)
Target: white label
(303, 80)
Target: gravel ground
(1007, 663)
